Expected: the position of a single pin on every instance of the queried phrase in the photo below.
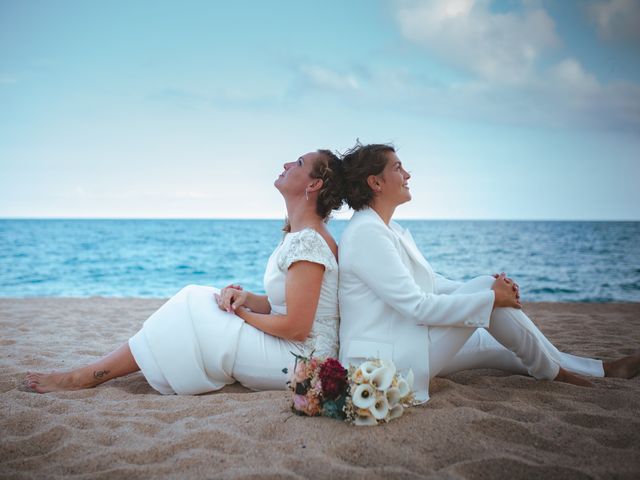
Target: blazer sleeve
(375, 260)
(444, 285)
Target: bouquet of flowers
(369, 394)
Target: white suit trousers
(512, 343)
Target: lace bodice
(307, 245)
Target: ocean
(551, 260)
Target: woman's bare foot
(116, 364)
(572, 378)
(61, 381)
(625, 367)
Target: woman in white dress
(204, 338)
(393, 305)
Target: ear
(374, 183)
(315, 185)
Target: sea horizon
(553, 260)
(425, 219)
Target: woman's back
(307, 245)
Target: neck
(384, 211)
(301, 214)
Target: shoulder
(363, 225)
(306, 245)
(307, 237)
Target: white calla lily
(403, 387)
(410, 379)
(382, 378)
(380, 408)
(364, 396)
(362, 421)
(390, 364)
(393, 396)
(396, 412)
(367, 369)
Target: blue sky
(500, 109)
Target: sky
(188, 109)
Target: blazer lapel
(406, 239)
(410, 246)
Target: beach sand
(478, 424)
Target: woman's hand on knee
(514, 285)
(231, 297)
(506, 294)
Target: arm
(377, 263)
(303, 283)
(257, 303)
(444, 285)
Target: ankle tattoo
(100, 373)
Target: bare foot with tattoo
(626, 367)
(116, 364)
(61, 381)
(568, 377)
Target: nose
(407, 175)
(287, 165)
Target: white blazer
(389, 297)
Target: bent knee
(477, 284)
(189, 288)
(485, 278)
(483, 281)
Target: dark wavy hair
(358, 163)
(328, 168)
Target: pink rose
(300, 403)
(300, 373)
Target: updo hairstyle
(328, 168)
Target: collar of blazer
(403, 234)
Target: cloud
(569, 74)
(617, 19)
(564, 94)
(182, 99)
(500, 47)
(327, 79)
(513, 75)
(572, 95)
(6, 79)
(189, 100)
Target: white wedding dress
(190, 346)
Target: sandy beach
(478, 424)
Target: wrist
(494, 299)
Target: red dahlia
(333, 378)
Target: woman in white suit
(393, 306)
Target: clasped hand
(507, 292)
(230, 298)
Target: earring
(306, 193)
